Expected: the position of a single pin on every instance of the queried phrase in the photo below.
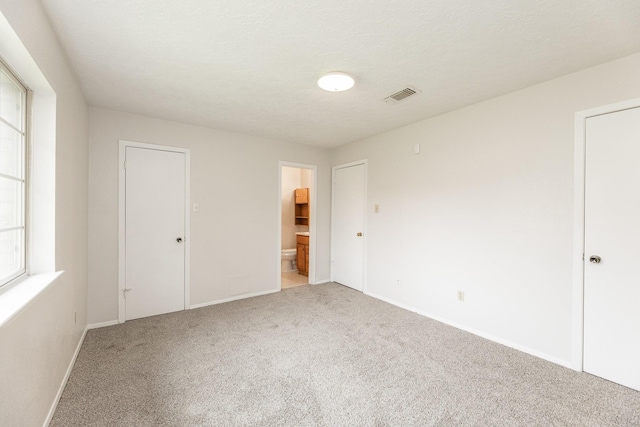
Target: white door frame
(312, 220)
(121, 220)
(364, 231)
(579, 171)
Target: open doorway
(297, 219)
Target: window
(13, 172)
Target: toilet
(288, 256)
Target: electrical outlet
(460, 295)
(376, 208)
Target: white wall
(234, 179)
(37, 345)
(486, 208)
(292, 178)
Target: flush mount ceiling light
(336, 81)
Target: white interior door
(154, 232)
(347, 226)
(612, 233)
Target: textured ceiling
(251, 66)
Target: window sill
(18, 296)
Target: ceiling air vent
(401, 94)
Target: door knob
(595, 259)
(179, 239)
(359, 234)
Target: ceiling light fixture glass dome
(336, 81)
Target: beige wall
(292, 178)
(487, 208)
(306, 177)
(234, 179)
(37, 345)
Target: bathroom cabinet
(302, 254)
(302, 206)
(302, 195)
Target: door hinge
(125, 165)
(124, 291)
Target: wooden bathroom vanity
(302, 254)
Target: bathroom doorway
(297, 197)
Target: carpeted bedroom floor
(323, 356)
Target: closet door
(612, 247)
(154, 232)
(347, 225)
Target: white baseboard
(392, 302)
(204, 304)
(54, 405)
(233, 298)
(524, 349)
(102, 324)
